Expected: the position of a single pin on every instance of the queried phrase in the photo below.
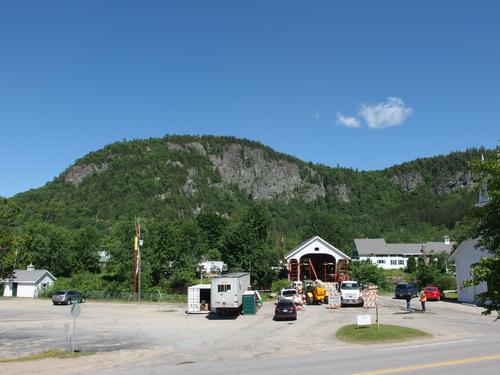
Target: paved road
(459, 357)
(161, 338)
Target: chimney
(31, 267)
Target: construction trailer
(199, 299)
(227, 292)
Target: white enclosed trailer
(227, 292)
(198, 299)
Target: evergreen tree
(411, 265)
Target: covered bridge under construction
(317, 259)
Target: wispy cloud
(393, 112)
(317, 115)
(348, 121)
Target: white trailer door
(193, 300)
(225, 294)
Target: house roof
(25, 276)
(378, 246)
(468, 245)
(309, 241)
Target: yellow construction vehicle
(316, 293)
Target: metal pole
(73, 335)
(376, 309)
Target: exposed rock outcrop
(251, 171)
(454, 181)
(77, 173)
(408, 181)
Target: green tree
(245, 246)
(365, 272)
(10, 236)
(49, 246)
(427, 274)
(486, 227)
(411, 266)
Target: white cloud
(348, 121)
(383, 115)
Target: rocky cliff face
(254, 169)
(262, 178)
(445, 182)
(77, 173)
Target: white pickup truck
(350, 293)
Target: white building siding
(388, 262)
(467, 257)
(28, 289)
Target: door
(14, 289)
(224, 294)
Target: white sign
(364, 320)
(334, 300)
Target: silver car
(67, 297)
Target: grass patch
(43, 355)
(386, 333)
(450, 294)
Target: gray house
(395, 255)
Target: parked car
(432, 293)
(288, 294)
(285, 309)
(67, 297)
(404, 289)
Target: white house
(27, 283)
(317, 259)
(395, 255)
(465, 257)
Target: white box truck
(227, 292)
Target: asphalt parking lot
(165, 330)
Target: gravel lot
(123, 332)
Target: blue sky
(363, 84)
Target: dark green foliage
(10, 236)
(365, 272)
(427, 274)
(411, 266)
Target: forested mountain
(231, 198)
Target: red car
(432, 293)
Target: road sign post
(75, 311)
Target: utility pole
(137, 259)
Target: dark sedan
(67, 297)
(285, 309)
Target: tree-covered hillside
(222, 197)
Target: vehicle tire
(82, 300)
(69, 301)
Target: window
(223, 288)
(401, 262)
(381, 261)
(393, 262)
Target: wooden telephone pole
(137, 259)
